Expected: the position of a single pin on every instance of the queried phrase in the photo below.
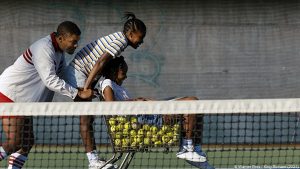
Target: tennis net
(254, 133)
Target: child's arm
(108, 94)
(97, 69)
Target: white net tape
(152, 107)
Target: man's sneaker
(97, 164)
(202, 165)
(192, 154)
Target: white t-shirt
(120, 93)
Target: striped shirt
(86, 58)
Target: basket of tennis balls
(127, 134)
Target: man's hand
(84, 94)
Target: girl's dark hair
(68, 27)
(133, 24)
(113, 66)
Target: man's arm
(45, 67)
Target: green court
(61, 157)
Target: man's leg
(20, 139)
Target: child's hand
(143, 99)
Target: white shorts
(74, 77)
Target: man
(34, 77)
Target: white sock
(92, 156)
(16, 161)
(187, 142)
(3, 154)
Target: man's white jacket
(34, 77)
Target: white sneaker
(188, 153)
(100, 165)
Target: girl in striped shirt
(86, 68)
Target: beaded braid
(133, 24)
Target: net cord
(150, 107)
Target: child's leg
(189, 124)
(188, 150)
(87, 133)
(88, 139)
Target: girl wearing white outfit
(111, 90)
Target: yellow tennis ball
(176, 127)
(141, 132)
(165, 128)
(170, 134)
(127, 125)
(171, 142)
(134, 138)
(118, 118)
(153, 129)
(132, 133)
(118, 142)
(125, 142)
(118, 135)
(113, 128)
(134, 144)
(133, 120)
(148, 134)
(120, 127)
(175, 137)
(112, 121)
(125, 132)
(176, 131)
(147, 141)
(154, 138)
(121, 119)
(141, 144)
(158, 143)
(165, 139)
(146, 127)
(160, 133)
(138, 139)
